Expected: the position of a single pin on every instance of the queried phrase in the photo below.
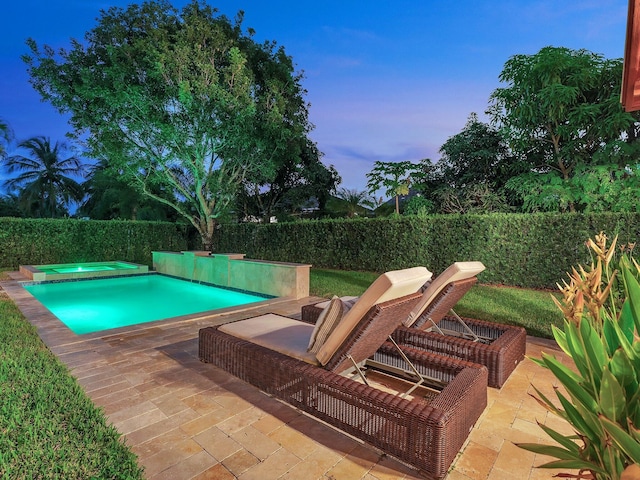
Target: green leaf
(625, 322)
(550, 450)
(634, 432)
(610, 335)
(571, 382)
(592, 344)
(612, 397)
(548, 403)
(626, 442)
(576, 348)
(632, 289)
(560, 337)
(566, 442)
(586, 424)
(574, 465)
(622, 368)
(538, 362)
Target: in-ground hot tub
(70, 271)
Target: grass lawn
(49, 428)
(532, 309)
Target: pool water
(88, 267)
(93, 305)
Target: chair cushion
(327, 321)
(455, 272)
(388, 286)
(276, 332)
(346, 301)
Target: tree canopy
(185, 103)
(560, 113)
(299, 177)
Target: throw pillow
(326, 323)
(348, 304)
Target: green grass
(49, 428)
(532, 309)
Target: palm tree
(5, 137)
(353, 201)
(45, 182)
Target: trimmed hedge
(47, 241)
(528, 250)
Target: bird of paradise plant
(601, 399)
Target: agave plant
(601, 400)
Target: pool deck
(189, 420)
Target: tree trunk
(206, 234)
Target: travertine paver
(188, 420)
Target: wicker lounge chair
(270, 352)
(432, 325)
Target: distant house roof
(403, 198)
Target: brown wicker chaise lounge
(425, 430)
(433, 326)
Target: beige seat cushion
(326, 323)
(282, 334)
(455, 272)
(391, 285)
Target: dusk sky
(387, 81)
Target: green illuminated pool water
(86, 267)
(93, 305)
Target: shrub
(601, 305)
(528, 250)
(46, 241)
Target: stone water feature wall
(279, 279)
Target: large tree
(476, 155)
(473, 169)
(560, 112)
(46, 183)
(298, 177)
(180, 102)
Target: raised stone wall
(232, 270)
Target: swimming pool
(101, 304)
(67, 271)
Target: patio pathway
(189, 420)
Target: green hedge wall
(528, 250)
(47, 241)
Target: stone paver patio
(189, 420)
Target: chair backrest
(447, 288)
(371, 332)
(389, 286)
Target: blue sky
(386, 80)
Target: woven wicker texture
(425, 434)
(501, 355)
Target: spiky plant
(601, 401)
